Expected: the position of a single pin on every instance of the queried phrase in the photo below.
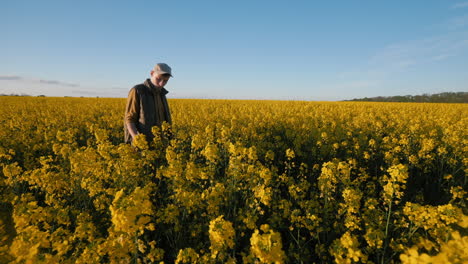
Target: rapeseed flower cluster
(267, 247)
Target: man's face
(159, 80)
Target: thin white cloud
(35, 86)
(53, 82)
(15, 84)
(384, 67)
(412, 53)
(35, 80)
(402, 55)
(458, 22)
(10, 78)
(460, 5)
(441, 57)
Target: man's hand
(132, 129)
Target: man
(147, 104)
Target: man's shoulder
(139, 88)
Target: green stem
(388, 218)
(386, 230)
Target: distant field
(234, 181)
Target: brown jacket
(146, 107)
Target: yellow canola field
(234, 181)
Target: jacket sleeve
(132, 110)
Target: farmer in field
(147, 104)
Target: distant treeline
(448, 97)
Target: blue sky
(301, 50)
